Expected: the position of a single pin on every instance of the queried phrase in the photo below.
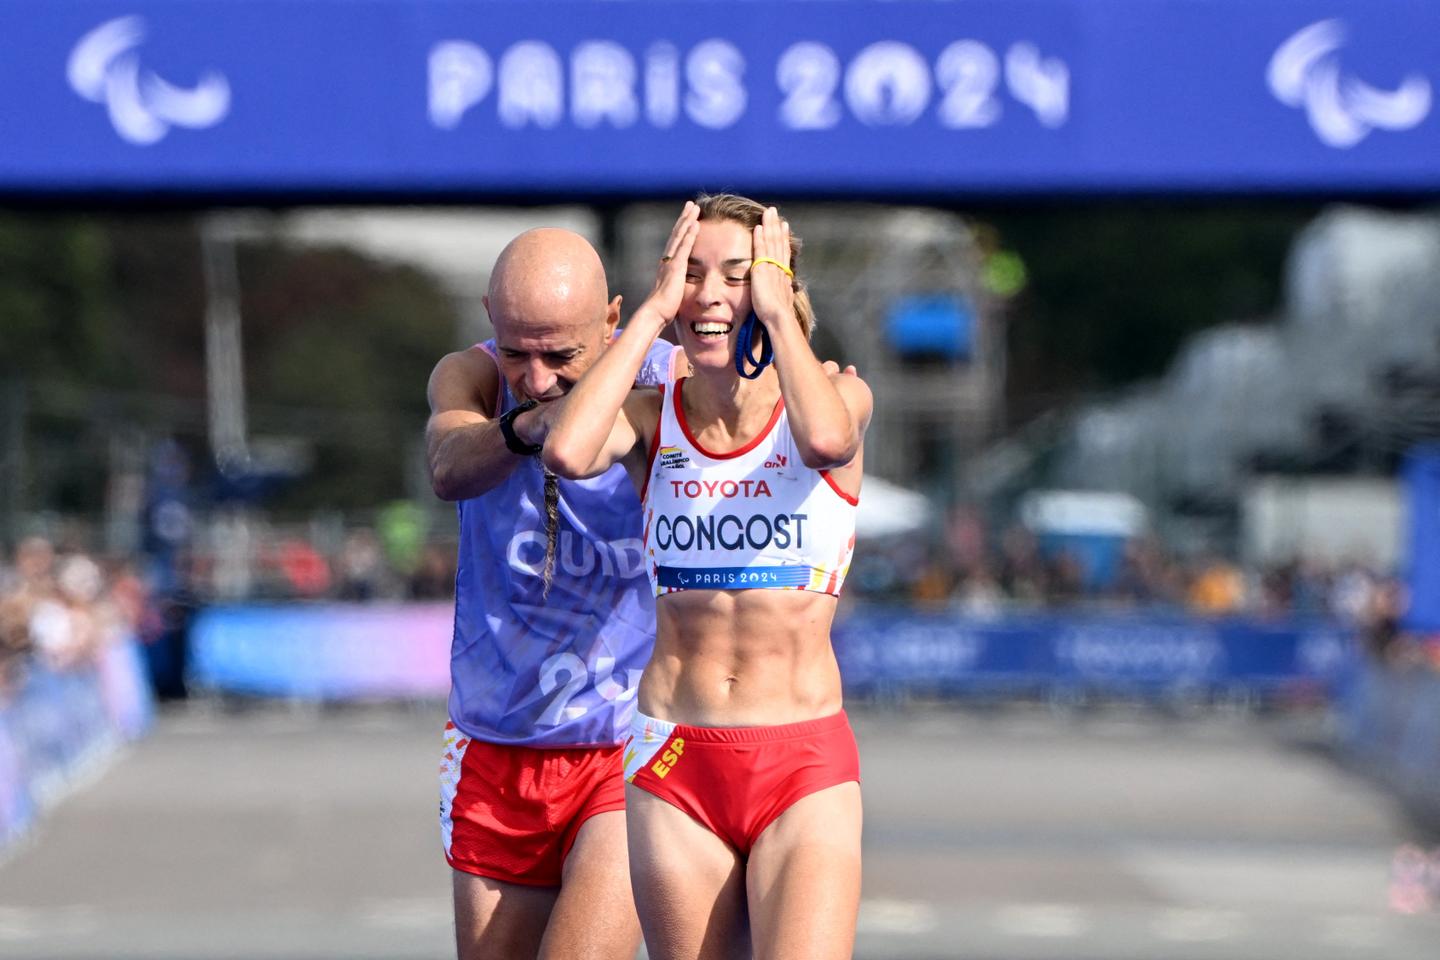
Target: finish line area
(1128, 679)
(1117, 832)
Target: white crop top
(754, 518)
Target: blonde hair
(748, 213)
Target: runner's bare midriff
(731, 658)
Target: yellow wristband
(788, 272)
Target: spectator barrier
(325, 651)
(336, 651)
(897, 651)
(1390, 727)
(58, 726)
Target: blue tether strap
(745, 349)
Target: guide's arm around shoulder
(464, 448)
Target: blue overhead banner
(634, 97)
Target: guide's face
(541, 358)
(717, 292)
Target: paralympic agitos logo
(105, 68)
(1306, 73)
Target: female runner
(743, 803)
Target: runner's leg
(689, 884)
(498, 919)
(803, 879)
(594, 918)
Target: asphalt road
(1009, 833)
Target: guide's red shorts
(737, 780)
(512, 813)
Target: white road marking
(33, 923)
(18, 923)
(903, 917)
(1049, 920)
(1197, 925)
(1355, 932)
(1235, 877)
(406, 914)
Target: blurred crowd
(358, 565)
(973, 574)
(1018, 573)
(63, 608)
(60, 606)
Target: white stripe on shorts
(647, 736)
(450, 766)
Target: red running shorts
(737, 780)
(512, 813)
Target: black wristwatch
(512, 439)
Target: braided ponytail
(552, 527)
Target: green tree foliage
(327, 327)
(342, 345)
(56, 292)
(102, 318)
(161, 302)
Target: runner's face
(542, 359)
(717, 292)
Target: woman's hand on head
(665, 297)
(772, 291)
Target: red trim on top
(853, 501)
(685, 428)
(654, 444)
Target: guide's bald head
(551, 310)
